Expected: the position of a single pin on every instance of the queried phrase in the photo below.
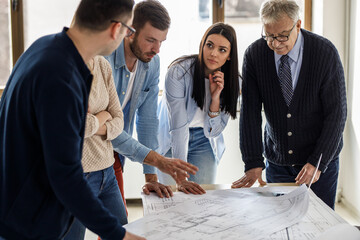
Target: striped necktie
(285, 79)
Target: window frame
(17, 29)
(16, 32)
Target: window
(29, 21)
(243, 15)
(5, 46)
(43, 17)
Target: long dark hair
(231, 91)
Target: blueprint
(340, 231)
(152, 203)
(318, 219)
(253, 213)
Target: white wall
(350, 165)
(339, 21)
(329, 20)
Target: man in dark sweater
(42, 121)
(298, 78)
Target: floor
(136, 211)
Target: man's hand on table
(249, 178)
(190, 187)
(152, 185)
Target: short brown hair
(151, 11)
(96, 15)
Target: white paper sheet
(340, 231)
(318, 219)
(252, 213)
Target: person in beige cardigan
(104, 122)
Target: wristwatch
(214, 114)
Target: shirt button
(123, 93)
(127, 75)
(288, 115)
(289, 134)
(290, 152)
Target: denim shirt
(143, 103)
(177, 109)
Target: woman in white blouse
(201, 93)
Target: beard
(134, 46)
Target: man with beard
(136, 70)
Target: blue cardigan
(316, 116)
(42, 122)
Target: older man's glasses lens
(130, 30)
(280, 38)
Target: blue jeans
(104, 185)
(200, 154)
(324, 188)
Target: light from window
(5, 59)
(44, 17)
(243, 16)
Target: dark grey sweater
(316, 116)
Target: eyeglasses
(279, 38)
(130, 30)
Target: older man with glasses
(298, 78)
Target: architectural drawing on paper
(224, 214)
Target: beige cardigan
(98, 150)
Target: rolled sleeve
(130, 148)
(213, 127)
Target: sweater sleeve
(250, 117)
(333, 99)
(91, 126)
(115, 126)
